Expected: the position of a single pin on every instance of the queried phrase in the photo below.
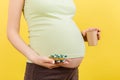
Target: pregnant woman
(51, 31)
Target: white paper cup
(92, 38)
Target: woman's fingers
(98, 35)
(98, 32)
(49, 65)
(45, 62)
(49, 60)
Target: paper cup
(92, 38)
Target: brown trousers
(36, 72)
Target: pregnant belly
(73, 62)
(62, 37)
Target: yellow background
(100, 63)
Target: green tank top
(52, 29)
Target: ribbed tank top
(52, 29)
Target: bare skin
(72, 63)
(13, 26)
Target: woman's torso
(51, 28)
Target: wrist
(33, 58)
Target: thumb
(49, 60)
(84, 33)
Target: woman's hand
(46, 62)
(84, 33)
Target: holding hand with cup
(91, 35)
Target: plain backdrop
(101, 62)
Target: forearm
(20, 45)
